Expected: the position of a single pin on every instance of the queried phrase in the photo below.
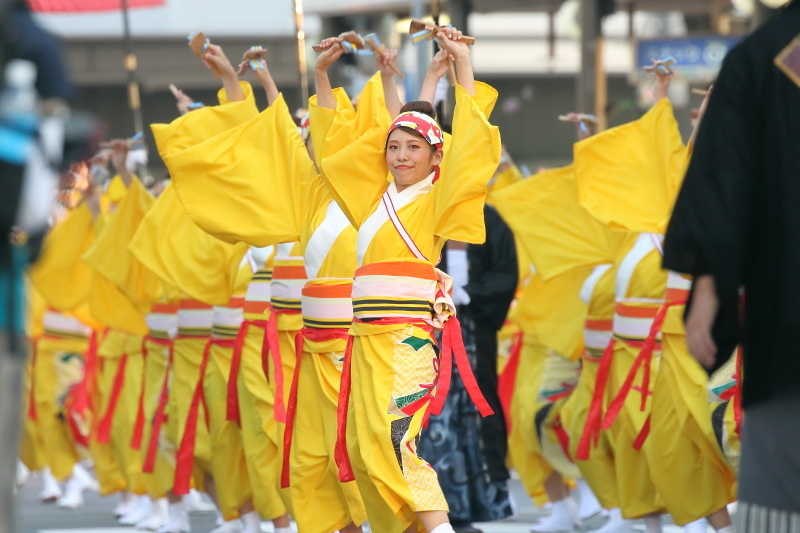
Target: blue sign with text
(696, 57)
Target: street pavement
(96, 515)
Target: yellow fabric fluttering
(248, 166)
(169, 244)
(556, 232)
(502, 179)
(110, 257)
(59, 274)
(628, 176)
(197, 126)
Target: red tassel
(591, 431)
(288, 431)
(159, 418)
(508, 378)
(341, 454)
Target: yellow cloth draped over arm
(351, 151)
(253, 183)
(628, 176)
(469, 163)
(196, 126)
(184, 256)
(111, 258)
(555, 231)
(60, 276)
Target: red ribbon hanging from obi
(508, 378)
(453, 348)
(160, 416)
(591, 431)
(643, 434)
(232, 398)
(340, 452)
(313, 334)
(104, 429)
(78, 401)
(272, 347)
(32, 414)
(184, 461)
(138, 426)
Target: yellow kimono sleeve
(555, 231)
(469, 163)
(250, 183)
(183, 255)
(110, 257)
(352, 159)
(108, 306)
(553, 313)
(60, 276)
(323, 118)
(625, 174)
(504, 178)
(197, 126)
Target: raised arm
(230, 82)
(438, 68)
(119, 156)
(332, 50)
(267, 81)
(384, 63)
(450, 39)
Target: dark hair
(420, 106)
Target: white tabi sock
(443, 528)
(283, 530)
(251, 522)
(726, 529)
(652, 524)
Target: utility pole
(592, 93)
(302, 63)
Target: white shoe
(231, 526)
(178, 521)
(51, 491)
(251, 522)
(138, 513)
(85, 478)
(73, 495)
(616, 524)
(126, 504)
(195, 503)
(158, 516)
(22, 473)
(588, 506)
(563, 518)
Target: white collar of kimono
(645, 244)
(379, 217)
(323, 238)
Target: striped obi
(194, 318)
(678, 288)
(327, 303)
(226, 319)
(162, 321)
(395, 289)
(288, 279)
(597, 333)
(633, 319)
(259, 293)
(57, 324)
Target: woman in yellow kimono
(391, 369)
(226, 204)
(565, 244)
(66, 284)
(613, 190)
(182, 135)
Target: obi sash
(194, 318)
(226, 320)
(57, 324)
(162, 321)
